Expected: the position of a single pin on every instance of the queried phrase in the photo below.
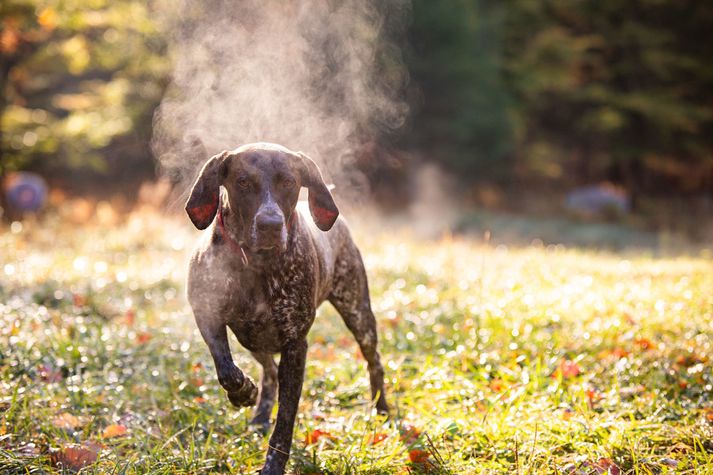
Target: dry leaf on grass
(114, 430)
(418, 456)
(314, 436)
(66, 421)
(74, 456)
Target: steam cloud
(321, 76)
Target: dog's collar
(232, 243)
(235, 245)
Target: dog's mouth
(269, 244)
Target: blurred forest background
(516, 99)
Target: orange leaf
(418, 456)
(593, 396)
(199, 400)
(143, 338)
(644, 343)
(497, 385)
(75, 457)
(567, 369)
(409, 433)
(47, 18)
(130, 317)
(709, 415)
(315, 435)
(66, 421)
(615, 353)
(378, 438)
(9, 38)
(114, 430)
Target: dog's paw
(246, 395)
(231, 378)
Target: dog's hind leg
(350, 296)
(268, 389)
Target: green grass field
(527, 360)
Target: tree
(79, 84)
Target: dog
(263, 269)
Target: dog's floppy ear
(203, 202)
(321, 204)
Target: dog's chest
(272, 308)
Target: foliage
(562, 91)
(537, 360)
(80, 81)
(587, 90)
(455, 58)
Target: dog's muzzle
(269, 229)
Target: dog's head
(263, 182)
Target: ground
(498, 360)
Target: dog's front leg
(290, 376)
(241, 390)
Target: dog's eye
(243, 182)
(288, 182)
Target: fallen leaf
(49, 374)
(614, 353)
(608, 467)
(47, 18)
(601, 467)
(143, 338)
(567, 369)
(497, 385)
(593, 396)
(669, 462)
(566, 414)
(644, 343)
(114, 430)
(199, 400)
(409, 433)
(75, 457)
(378, 438)
(418, 455)
(130, 317)
(79, 300)
(314, 436)
(66, 421)
(709, 415)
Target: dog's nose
(268, 222)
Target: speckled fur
(270, 304)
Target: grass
(525, 360)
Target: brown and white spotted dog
(263, 269)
